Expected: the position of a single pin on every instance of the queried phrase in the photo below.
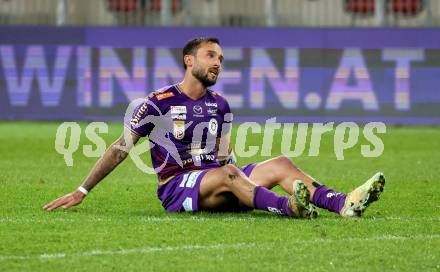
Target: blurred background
(225, 13)
(298, 60)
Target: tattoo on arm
(121, 149)
(117, 152)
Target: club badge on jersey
(179, 129)
(213, 126)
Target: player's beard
(203, 77)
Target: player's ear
(189, 60)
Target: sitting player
(186, 124)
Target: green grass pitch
(122, 226)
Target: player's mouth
(213, 72)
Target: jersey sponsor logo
(204, 157)
(199, 158)
(178, 112)
(212, 112)
(213, 126)
(197, 109)
(137, 117)
(165, 95)
(211, 104)
(187, 161)
(180, 116)
(157, 92)
(179, 129)
(178, 109)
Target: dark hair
(193, 45)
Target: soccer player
(188, 128)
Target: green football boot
(360, 198)
(299, 201)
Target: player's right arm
(115, 154)
(139, 125)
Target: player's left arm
(225, 153)
(230, 159)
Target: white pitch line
(144, 250)
(201, 218)
(148, 250)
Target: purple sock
(328, 199)
(265, 199)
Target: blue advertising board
(295, 74)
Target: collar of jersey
(183, 94)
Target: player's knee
(230, 173)
(285, 162)
(231, 170)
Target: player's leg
(217, 184)
(360, 198)
(282, 171)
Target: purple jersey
(183, 132)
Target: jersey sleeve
(141, 119)
(227, 118)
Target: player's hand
(67, 201)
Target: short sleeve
(140, 120)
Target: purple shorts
(181, 193)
